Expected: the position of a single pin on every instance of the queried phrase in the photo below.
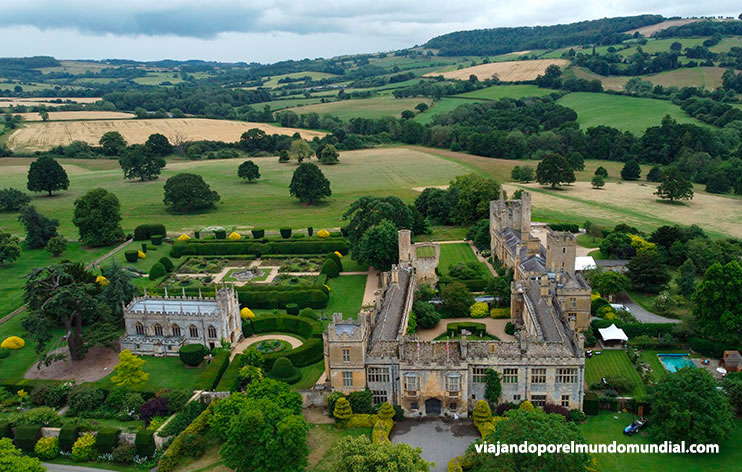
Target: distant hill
(495, 41)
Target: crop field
(273, 81)
(46, 101)
(375, 107)
(157, 78)
(625, 113)
(708, 77)
(267, 203)
(287, 103)
(75, 67)
(663, 25)
(39, 136)
(506, 71)
(507, 91)
(78, 115)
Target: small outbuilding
(613, 334)
(732, 361)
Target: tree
(718, 182)
(648, 272)
(248, 170)
(46, 175)
(597, 182)
(426, 315)
(12, 199)
(13, 460)
(576, 161)
(421, 107)
(654, 174)
(717, 304)
(300, 150)
(358, 453)
(687, 279)
(554, 170)
(283, 156)
(10, 247)
(379, 246)
(532, 426)
(128, 372)
(44, 115)
(263, 437)
(676, 46)
(56, 245)
(342, 410)
(185, 193)
(158, 145)
(309, 184)
(474, 194)
(631, 170)
(456, 299)
(120, 289)
(610, 283)
(39, 228)
(66, 294)
(601, 172)
(617, 244)
(407, 114)
(113, 143)
(523, 174)
(367, 212)
(492, 387)
(732, 385)
(479, 234)
(674, 185)
(687, 406)
(329, 155)
(98, 218)
(137, 161)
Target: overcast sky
(273, 30)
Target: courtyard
(440, 439)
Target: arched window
(176, 330)
(140, 328)
(212, 332)
(193, 331)
(158, 329)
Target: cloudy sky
(273, 30)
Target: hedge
(231, 377)
(209, 378)
(283, 369)
(311, 352)
(247, 328)
(174, 453)
(591, 404)
(258, 233)
(285, 233)
(633, 330)
(107, 440)
(146, 231)
(145, 443)
(278, 297)
(220, 234)
(131, 256)
(711, 348)
(192, 354)
(156, 271)
(67, 437)
(337, 260)
(474, 285)
(26, 436)
(169, 266)
(5, 430)
(475, 328)
(303, 327)
(292, 309)
(157, 240)
(263, 246)
(330, 268)
(572, 228)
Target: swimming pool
(673, 362)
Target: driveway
(440, 439)
(647, 316)
(70, 468)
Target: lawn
(321, 439)
(454, 253)
(608, 427)
(375, 107)
(346, 296)
(507, 91)
(309, 375)
(625, 113)
(164, 372)
(444, 233)
(588, 241)
(613, 362)
(13, 367)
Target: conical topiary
(342, 409)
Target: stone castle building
(159, 326)
(550, 304)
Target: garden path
(372, 285)
(242, 345)
(70, 468)
(494, 327)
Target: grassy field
(608, 427)
(444, 105)
(287, 103)
(157, 78)
(13, 367)
(346, 295)
(507, 91)
(613, 362)
(625, 113)
(455, 253)
(375, 107)
(708, 77)
(164, 372)
(273, 81)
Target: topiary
(220, 234)
(144, 442)
(146, 231)
(107, 440)
(292, 308)
(47, 448)
(310, 231)
(283, 369)
(308, 313)
(131, 256)
(258, 233)
(13, 343)
(157, 240)
(156, 271)
(285, 233)
(509, 328)
(361, 402)
(386, 412)
(26, 436)
(84, 449)
(335, 256)
(332, 399)
(67, 436)
(330, 268)
(342, 409)
(479, 310)
(482, 412)
(192, 354)
(526, 406)
(167, 263)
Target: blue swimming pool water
(675, 362)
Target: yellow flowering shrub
(183, 237)
(500, 313)
(337, 253)
(479, 310)
(594, 296)
(247, 314)
(328, 287)
(102, 281)
(141, 255)
(323, 233)
(13, 342)
(640, 243)
(527, 406)
(234, 236)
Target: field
(381, 171)
(346, 296)
(613, 362)
(651, 29)
(45, 101)
(375, 107)
(78, 115)
(506, 71)
(157, 78)
(708, 77)
(286, 103)
(273, 81)
(455, 253)
(625, 113)
(444, 105)
(40, 136)
(507, 91)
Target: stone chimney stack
(405, 246)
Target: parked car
(634, 427)
(620, 307)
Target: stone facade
(159, 326)
(423, 257)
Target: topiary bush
(509, 328)
(157, 240)
(84, 449)
(107, 440)
(292, 308)
(283, 369)
(308, 313)
(258, 233)
(12, 343)
(156, 271)
(146, 231)
(131, 256)
(220, 234)
(338, 260)
(285, 233)
(342, 410)
(167, 263)
(26, 436)
(47, 448)
(67, 436)
(310, 231)
(192, 354)
(332, 399)
(330, 268)
(124, 453)
(145, 443)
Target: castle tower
(561, 249)
(525, 216)
(405, 246)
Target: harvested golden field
(648, 31)
(707, 77)
(78, 115)
(40, 136)
(46, 101)
(506, 71)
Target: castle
(550, 305)
(159, 326)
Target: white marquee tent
(612, 333)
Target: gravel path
(69, 468)
(256, 339)
(647, 316)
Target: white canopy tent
(584, 263)
(612, 333)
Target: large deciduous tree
(688, 406)
(674, 185)
(456, 299)
(138, 162)
(39, 228)
(300, 150)
(367, 212)
(648, 272)
(554, 170)
(329, 155)
(46, 175)
(358, 453)
(248, 170)
(112, 143)
(379, 246)
(610, 283)
(631, 170)
(718, 303)
(158, 145)
(309, 184)
(12, 199)
(120, 290)
(474, 194)
(98, 218)
(185, 193)
(10, 247)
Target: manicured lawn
(309, 375)
(346, 296)
(613, 362)
(164, 372)
(350, 265)
(321, 439)
(455, 253)
(444, 233)
(608, 427)
(13, 367)
(588, 241)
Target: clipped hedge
(303, 327)
(258, 233)
(167, 263)
(209, 378)
(192, 354)
(156, 271)
(292, 309)
(591, 404)
(67, 437)
(170, 459)
(26, 436)
(710, 348)
(107, 440)
(247, 328)
(262, 246)
(311, 352)
(454, 329)
(157, 240)
(473, 285)
(131, 256)
(220, 234)
(279, 297)
(146, 231)
(231, 377)
(5, 431)
(633, 330)
(572, 228)
(285, 233)
(330, 268)
(144, 442)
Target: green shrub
(144, 232)
(107, 440)
(591, 404)
(67, 436)
(156, 271)
(258, 233)
(247, 328)
(308, 313)
(173, 455)
(47, 448)
(288, 324)
(230, 380)
(311, 352)
(285, 233)
(26, 436)
(220, 234)
(310, 231)
(167, 263)
(124, 453)
(209, 378)
(84, 449)
(177, 399)
(337, 260)
(572, 228)
(144, 248)
(292, 308)
(285, 371)
(144, 442)
(510, 328)
(576, 416)
(131, 256)
(4, 353)
(332, 398)
(192, 354)
(330, 268)
(156, 240)
(708, 348)
(259, 246)
(43, 416)
(85, 398)
(360, 402)
(5, 431)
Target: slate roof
(534, 264)
(512, 239)
(545, 316)
(391, 313)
